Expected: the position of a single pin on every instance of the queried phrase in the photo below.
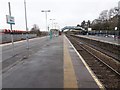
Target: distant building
(55, 32)
(96, 21)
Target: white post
(11, 28)
(27, 38)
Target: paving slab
(44, 69)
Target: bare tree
(103, 15)
(36, 30)
(88, 23)
(83, 24)
(112, 12)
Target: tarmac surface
(55, 65)
(110, 40)
(44, 69)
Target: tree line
(107, 20)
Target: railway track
(109, 49)
(105, 67)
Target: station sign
(10, 19)
(89, 29)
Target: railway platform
(56, 65)
(109, 40)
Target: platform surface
(102, 39)
(56, 65)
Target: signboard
(89, 29)
(10, 19)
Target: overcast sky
(66, 12)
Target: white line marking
(21, 41)
(88, 68)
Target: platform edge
(88, 68)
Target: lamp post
(46, 19)
(55, 25)
(118, 19)
(52, 22)
(27, 39)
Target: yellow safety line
(69, 74)
(88, 68)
